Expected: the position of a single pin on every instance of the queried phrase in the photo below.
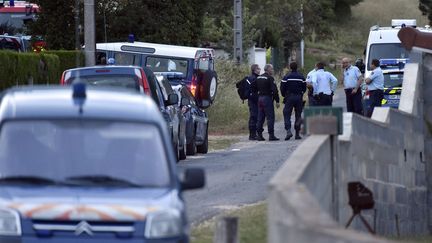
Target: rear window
(392, 80)
(167, 64)
(121, 81)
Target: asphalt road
(239, 175)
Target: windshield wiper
(28, 180)
(100, 180)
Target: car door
(199, 116)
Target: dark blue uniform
(292, 88)
(253, 108)
(267, 93)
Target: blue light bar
(79, 90)
(395, 63)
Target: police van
(195, 65)
(383, 44)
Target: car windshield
(393, 80)
(386, 51)
(112, 80)
(84, 151)
(166, 64)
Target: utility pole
(77, 34)
(302, 39)
(89, 32)
(238, 32)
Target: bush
(228, 114)
(28, 68)
(68, 59)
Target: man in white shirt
(352, 79)
(324, 84)
(375, 86)
(310, 89)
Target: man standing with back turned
(292, 88)
(267, 93)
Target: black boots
(260, 137)
(272, 137)
(252, 135)
(288, 136)
(297, 136)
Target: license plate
(394, 97)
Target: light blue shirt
(351, 76)
(309, 75)
(377, 78)
(323, 82)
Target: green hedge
(37, 68)
(68, 59)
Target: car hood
(93, 204)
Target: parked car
(196, 122)
(138, 79)
(74, 169)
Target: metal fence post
(226, 230)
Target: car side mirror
(194, 178)
(204, 104)
(185, 101)
(172, 99)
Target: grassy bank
(229, 115)
(252, 225)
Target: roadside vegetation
(252, 225)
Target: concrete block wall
(427, 113)
(299, 200)
(387, 155)
(387, 160)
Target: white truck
(383, 44)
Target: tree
(425, 7)
(55, 23)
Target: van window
(386, 51)
(167, 64)
(123, 58)
(204, 64)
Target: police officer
(375, 86)
(324, 84)
(352, 79)
(292, 89)
(267, 93)
(253, 103)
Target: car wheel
(191, 146)
(182, 151)
(203, 148)
(209, 85)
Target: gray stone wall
(388, 157)
(427, 108)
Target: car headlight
(9, 222)
(163, 224)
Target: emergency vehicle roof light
(375, 27)
(79, 90)
(398, 63)
(406, 22)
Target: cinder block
(420, 178)
(371, 170)
(383, 172)
(401, 195)
(394, 173)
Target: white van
(192, 66)
(383, 44)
